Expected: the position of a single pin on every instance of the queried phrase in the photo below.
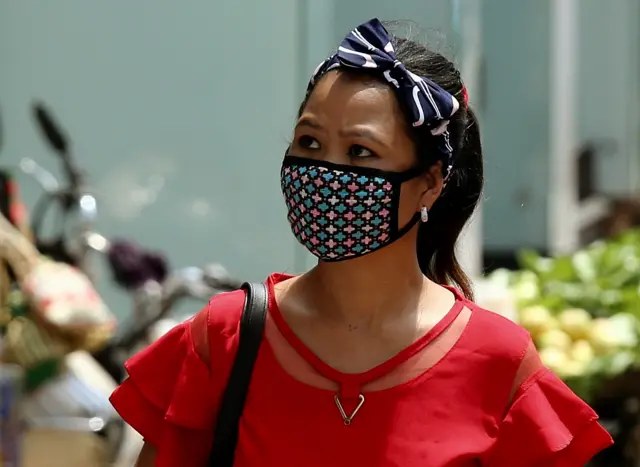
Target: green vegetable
(604, 280)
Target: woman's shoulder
(214, 330)
(188, 364)
(496, 334)
(539, 417)
(174, 386)
(216, 324)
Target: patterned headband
(369, 47)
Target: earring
(424, 214)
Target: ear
(434, 186)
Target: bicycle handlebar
(71, 196)
(184, 283)
(60, 143)
(47, 181)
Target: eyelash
(305, 141)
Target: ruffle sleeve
(168, 398)
(547, 425)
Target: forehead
(346, 98)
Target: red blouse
(458, 396)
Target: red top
(464, 394)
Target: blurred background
(143, 139)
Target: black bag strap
(232, 403)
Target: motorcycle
(77, 399)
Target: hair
(436, 245)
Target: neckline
(358, 379)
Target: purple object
(132, 265)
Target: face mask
(340, 211)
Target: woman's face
(355, 120)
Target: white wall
(198, 94)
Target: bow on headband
(369, 47)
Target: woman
(370, 358)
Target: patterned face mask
(340, 211)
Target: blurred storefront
(532, 164)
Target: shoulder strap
(232, 403)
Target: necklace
(348, 418)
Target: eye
(358, 151)
(308, 142)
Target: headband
(368, 47)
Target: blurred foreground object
(11, 205)
(11, 423)
(56, 448)
(50, 309)
(65, 300)
(60, 297)
(72, 408)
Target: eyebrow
(354, 132)
(309, 122)
(364, 133)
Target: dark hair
(437, 238)
(449, 214)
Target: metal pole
(467, 22)
(315, 40)
(563, 206)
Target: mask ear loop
(414, 220)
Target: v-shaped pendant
(348, 418)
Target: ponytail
(437, 238)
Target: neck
(365, 290)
